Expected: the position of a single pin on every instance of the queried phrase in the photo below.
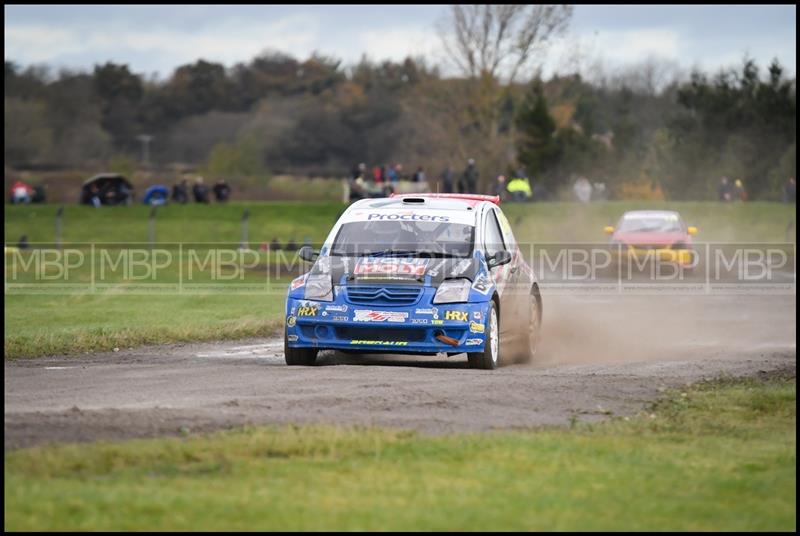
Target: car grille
(374, 295)
(650, 246)
(384, 334)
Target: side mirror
(307, 253)
(498, 259)
(692, 230)
(608, 229)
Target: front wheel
(490, 357)
(534, 327)
(298, 356)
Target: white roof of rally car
(456, 210)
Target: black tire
(298, 356)
(534, 327)
(489, 359)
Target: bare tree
(493, 45)
(500, 41)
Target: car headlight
(318, 287)
(452, 291)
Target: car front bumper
(682, 257)
(386, 329)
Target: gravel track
(601, 356)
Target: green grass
(541, 222)
(721, 456)
(41, 325)
(47, 325)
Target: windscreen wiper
(389, 253)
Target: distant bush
(639, 190)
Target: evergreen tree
(537, 148)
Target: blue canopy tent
(156, 195)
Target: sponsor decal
(419, 320)
(382, 343)
(406, 216)
(339, 318)
(460, 316)
(461, 267)
(290, 321)
(437, 322)
(474, 327)
(476, 315)
(383, 267)
(336, 308)
(367, 315)
(433, 311)
(482, 284)
(435, 270)
(473, 342)
(307, 310)
(292, 338)
(298, 282)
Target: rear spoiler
(467, 197)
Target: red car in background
(660, 235)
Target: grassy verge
(541, 222)
(721, 456)
(47, 325)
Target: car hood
(651, 238)
(395, 270)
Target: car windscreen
(413, 238)
(653, 223)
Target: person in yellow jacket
(520, 189)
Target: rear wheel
(534, 327)
(298, 356)
(490, 357)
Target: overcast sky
(156, 39)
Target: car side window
(508, 236)
(492, 236)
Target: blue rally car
(417, 274)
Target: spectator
(123, 194)
(274, 245)
(419, 175)
(360, 171)
(39, 194)
(200, 191)
(222, 191)
(21, 193)
(399, 171)
(469, 182)
(94, 195)
(358, 188)
(583, 189)
(377, 174)
(790, 191)
(499, 187)
(180, 192)
(739, 193)
(392, 174)
(599, 191)
(724, 192)
(447, 180)
(520, 189)
(291, 245)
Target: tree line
(280, 114)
